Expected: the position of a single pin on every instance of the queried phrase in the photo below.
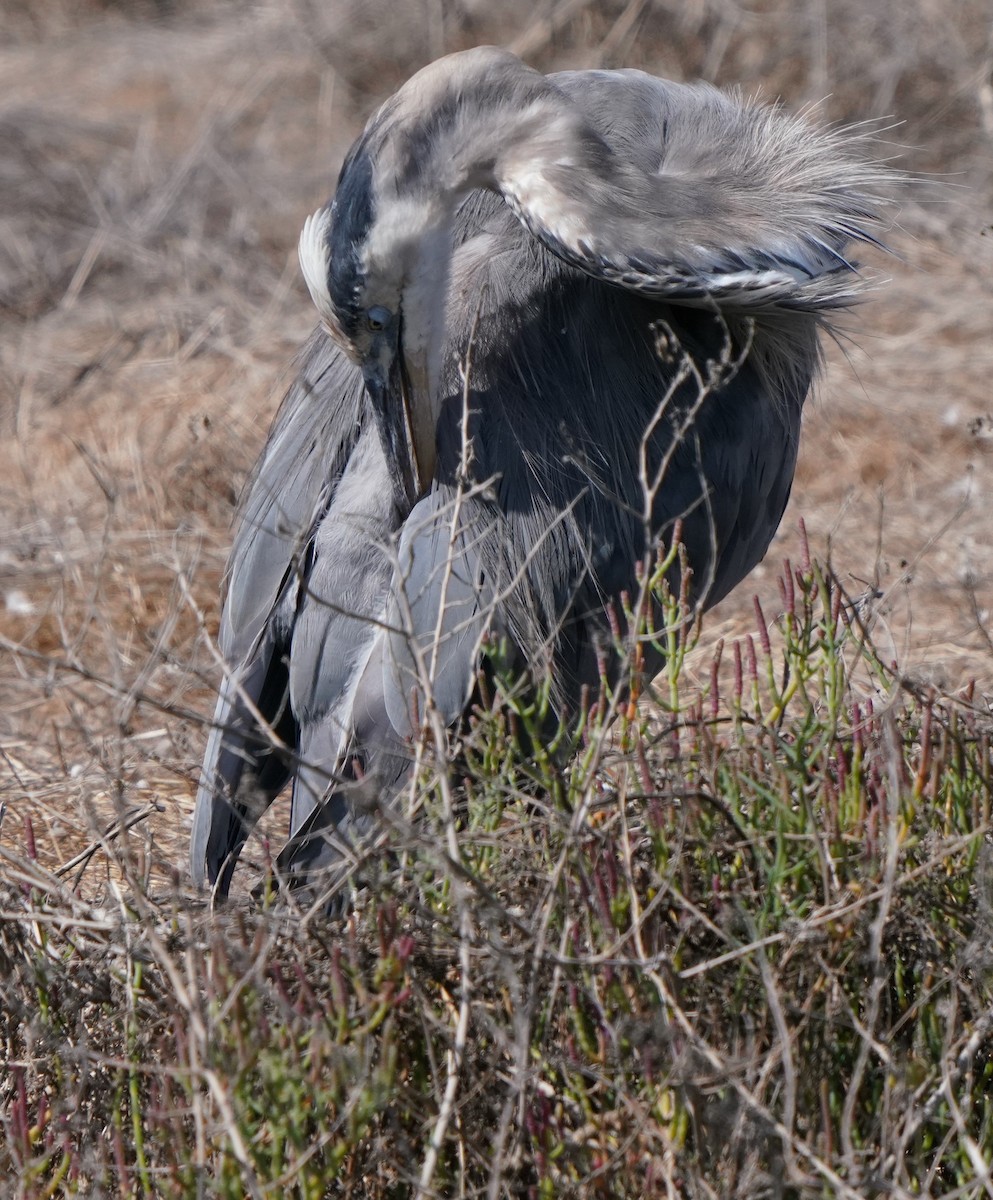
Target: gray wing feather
(340, 614)
(439, 611)
(293, 483)
(424, 651)
(290, 489)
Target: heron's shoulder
(627, 85)
(637, 113)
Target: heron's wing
(340, 614)
(440, 607)
(684, 193)
(290, 489)
(422, 655)
(292, 485)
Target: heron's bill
(406, 427)
(421, 432)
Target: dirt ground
(156, 163)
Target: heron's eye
(377, 318)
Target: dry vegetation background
(156, 162)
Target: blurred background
(156, 163)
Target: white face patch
(314, 260)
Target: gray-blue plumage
(579, 240)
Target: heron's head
(376, 264)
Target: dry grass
(156, 161)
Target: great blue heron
(505, 269)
